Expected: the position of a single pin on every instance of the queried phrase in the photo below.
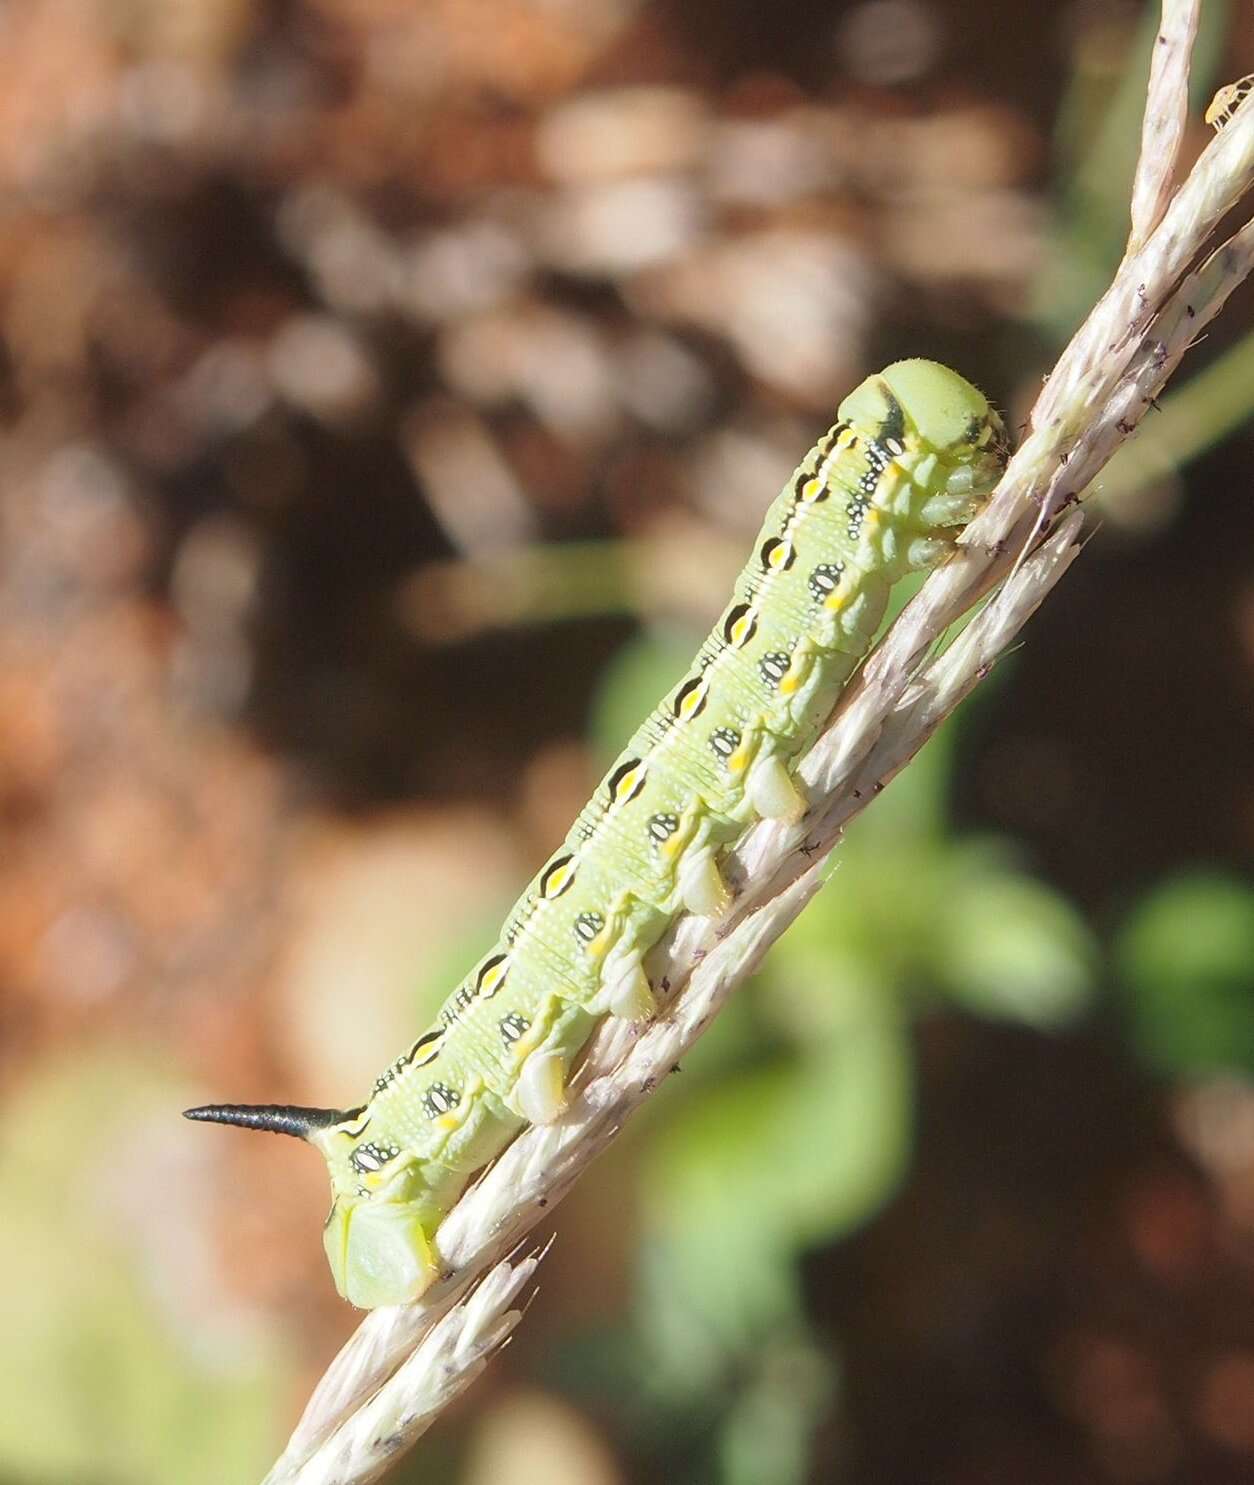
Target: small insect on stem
(1227, 100)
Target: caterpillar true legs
(913, 455)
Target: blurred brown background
(388, 391)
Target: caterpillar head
(932, 408)
(376, 1234)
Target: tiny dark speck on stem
(544, 1201)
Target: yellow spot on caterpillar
(627, 785)
(738, 761)
(492, 976)
(692, 700)
(449, 1121)
(557, 878)
(779, 556)
(846, 438)
(741, 629)
(834, 602)
(740, 626)
(811, 491)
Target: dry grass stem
(1166, 113)
(1017, 549)
(446, 1361)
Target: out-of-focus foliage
(1186, 959)
(120, 1361)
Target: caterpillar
(913, 455)
(1227, 100)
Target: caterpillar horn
(275, 1117)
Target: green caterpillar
(913, 455)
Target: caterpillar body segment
(913, 455)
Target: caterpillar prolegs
(912, 456)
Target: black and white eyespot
(512, 1027)
(825, 579)
(587, 926)
(439, 1099)
(724, 741)
(662, 827)
(774, 667)
(372, 1157)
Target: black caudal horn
(278, 1118)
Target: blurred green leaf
(116, 1361)
(766, 1439)
(781, 1158)
(1185, 957)
(1010, 947)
